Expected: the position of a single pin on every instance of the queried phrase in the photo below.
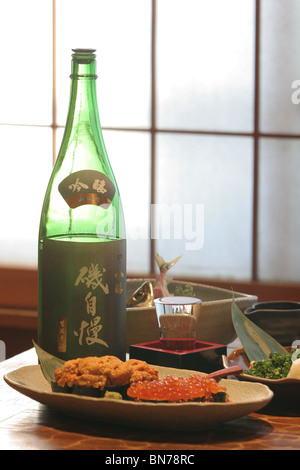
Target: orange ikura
(178, 390)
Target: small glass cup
(177, 318)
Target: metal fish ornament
(143, 296)
(160, 288)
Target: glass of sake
(177, 318)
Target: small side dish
(277, 366)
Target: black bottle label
(87, 187)
(83, 298)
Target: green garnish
(114, 395)
(277, 366)
(256, 342)
(185, 291)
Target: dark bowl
(281, 320)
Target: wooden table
(28, 425)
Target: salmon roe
(176, 389)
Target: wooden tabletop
(28, 425)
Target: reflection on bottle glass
(82, 241)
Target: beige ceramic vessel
(178, 417)
(214, 322)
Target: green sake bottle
(82, 240)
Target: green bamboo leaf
(256, 342)
(48, 362)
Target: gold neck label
(87, 187)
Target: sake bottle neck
(83, 64)
(83, 107)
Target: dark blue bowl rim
(278, 305)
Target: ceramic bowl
(286, 391)
(214, 321)
(281, 320)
